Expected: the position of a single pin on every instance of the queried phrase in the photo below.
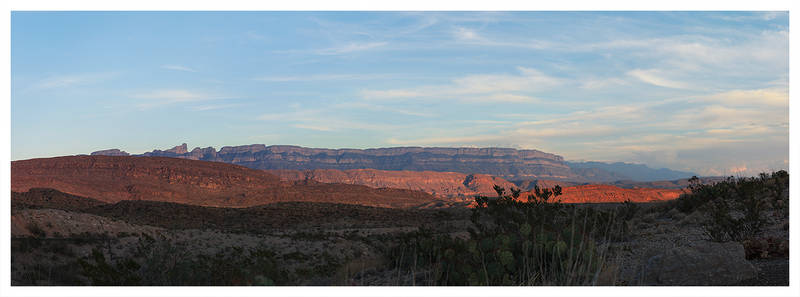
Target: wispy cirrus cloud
(446, 140)
(207, 107)
(69, 80)
(163, 97)
(342, 49)
(601, 83)
(773, 97)
(476, 88)
(755, 16)
(462, 33)
(253, 35)
(472, 37)
(657, 78)
(324, 77)
(328, 119)
(350, 48)
(178, 68)
(383, 108)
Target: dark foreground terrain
(730, 233)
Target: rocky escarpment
(441, 184)
(463, 187)
(501, 162)
(113, 179)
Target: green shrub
(35, 230)
(101, 273)
(157, 262)
(735, 209)
(513, 242)
(628, 210)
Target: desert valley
(282, 215)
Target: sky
(706, 92)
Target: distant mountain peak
(181, 149)
(630, 171)
(111, 152)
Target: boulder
(702, 264)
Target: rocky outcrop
(701, 264)
(112, 179)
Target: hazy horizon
(705, 92)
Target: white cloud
(350, 48)
(529, 80)
(300, 114)
(759, 16)
(593, 83)
(213, 107)
(471, 37)
(178, 68)
(656, 77)
(477, 88)
(466, 34)
(504, 97)
(760, 97)
(390, 94)
(376, 107)
(324, 128)
(341, 49)
(461, 140)
(324, 77)
(323, 119)
(573, 130)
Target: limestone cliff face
(501, 162)
(441, 184)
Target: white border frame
(365, 5)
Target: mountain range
(507, 163)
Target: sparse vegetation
(159, 262)
(535, 242)
(735, 209)
(508, 239)
(35, 230)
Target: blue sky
(699, 91)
